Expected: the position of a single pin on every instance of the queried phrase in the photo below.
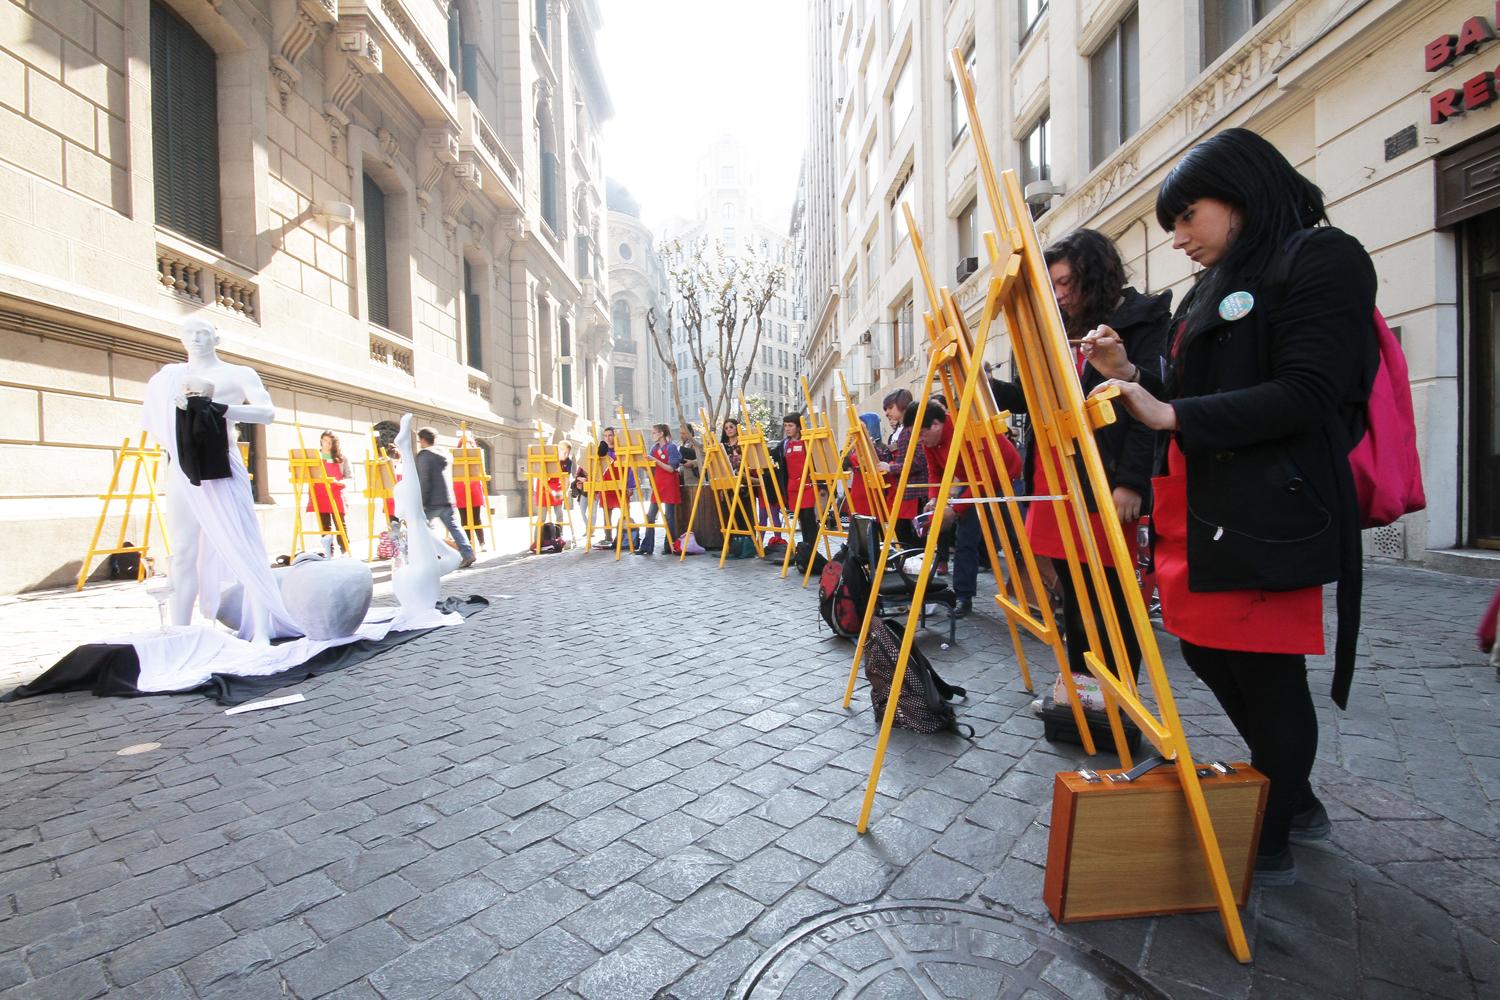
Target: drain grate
(933, 950)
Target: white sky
(682, 71)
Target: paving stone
(78, 982)
(709, 919)
(369, 902)
(435, 965)
(820, 838)
(601, 871)
(684, 873)
(855, 875)
(598, 830)
(769, 874)
(239, 960)
(741, 837)
(529, 865)
(280, 902)
(525, 914)
(446, 906)
(344, 959)
(535, 968)
(89, 940)
(716, 975)
(669, 834)
(636, 970)
(369, 865)
(617, 915)
(790, 911)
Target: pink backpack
(1387, 471)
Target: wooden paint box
(1127, 848)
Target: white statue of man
(213, 530)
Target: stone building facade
(384, 205)
(1389, 106)
(639, 382)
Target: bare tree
(661, 340)
(720, 299)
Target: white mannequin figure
(418, 573)
(215, 536)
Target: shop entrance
(1482, 239)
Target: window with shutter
(377, 289)
(184, 129)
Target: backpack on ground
(805, 551)
(125, 565)
(835, 604)
(741, 547)
(922, 703)
(552, 538)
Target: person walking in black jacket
(1272, 358)
(1088, 278)
(437, 497)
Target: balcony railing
(387, 350)
(480, 145)
(188, 273)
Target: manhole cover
(933, 951)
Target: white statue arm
(257, 407)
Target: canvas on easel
(145, 462)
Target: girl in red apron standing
(325, 499)
(1272, 358)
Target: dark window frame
(185, 130)
(1119, 84)
(377, 254)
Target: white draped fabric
(231, 548)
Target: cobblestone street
(631, 780)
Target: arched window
(620, 313)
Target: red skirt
(1251, 621)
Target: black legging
(807, 520)
(468, 517)
(1073, 624)
(1265, 695)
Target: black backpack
(552, 537)
(922, 704)
(125, 565)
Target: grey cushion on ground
(327, 597)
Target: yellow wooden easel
(722, 481)
(756, 469)
(635, 455)
(468, 469)
(308, 475)
(380, 486)
(144, 463)
(823, 472)
(543, 467)
(858, 444)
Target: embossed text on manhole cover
(933, 951)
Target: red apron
(1046, 534)
(795, 453)
(319, 500)
(664, 481)
(1251, 621)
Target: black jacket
(430, 466)
(1127, 447)
(1268, 407)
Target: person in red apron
(325, 499)
(1088, 279)
(791, 456)
(394, 454)
(666, 490)
(1255, 503)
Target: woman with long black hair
(1272, 355)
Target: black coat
(1268, 407)
(1126, 447)
(435, 492)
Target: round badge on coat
(1236, 305)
